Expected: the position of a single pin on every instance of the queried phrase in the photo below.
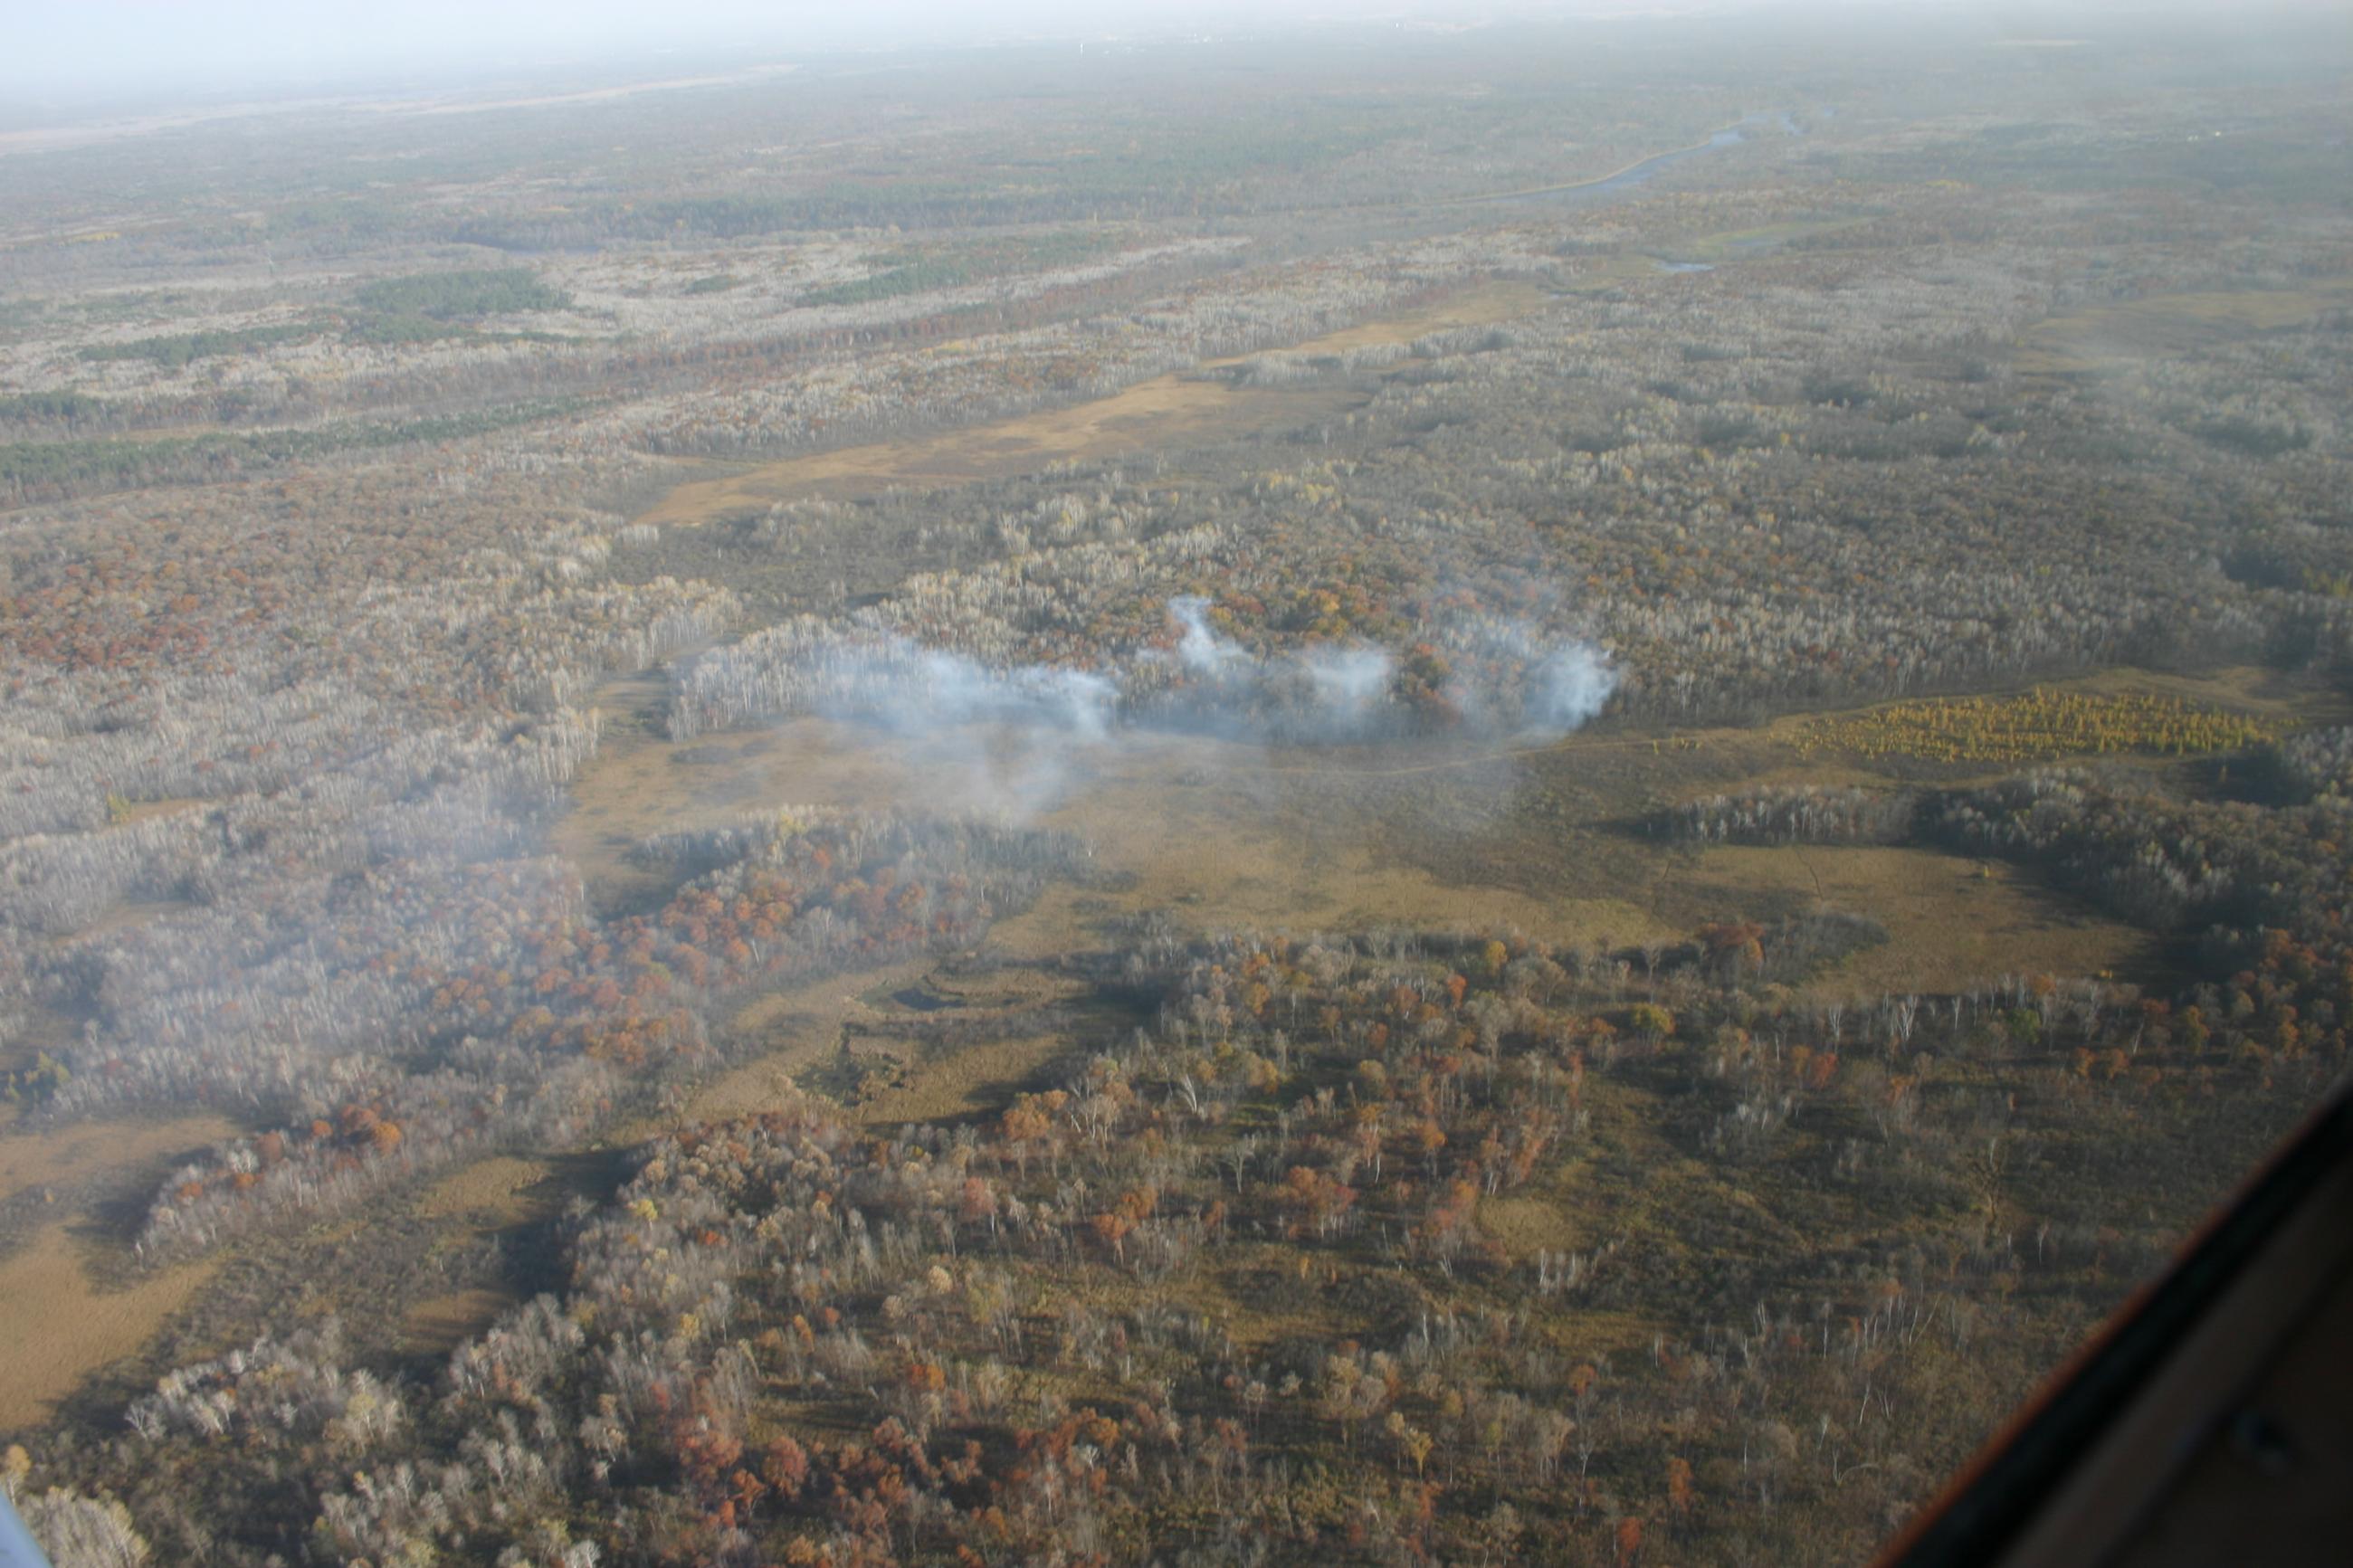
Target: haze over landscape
(1016, 785)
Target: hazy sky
(58, 49)
(58, 52)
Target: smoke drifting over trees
(1515, 685)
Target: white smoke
(1201, 649)
(1016, 736)
(1004, 741)
(897, 682)
(1351, 684)
(1568, 691)
(1513, 677)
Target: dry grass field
(61, 1327)
(2165, 326)
(1171, 411)
(439, 1325)
(1951, 923)
(497, 1190)
(79, 1150)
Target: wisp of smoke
(1318, 694)
(897, 682)
(1015, 734)
(1568, 689)
(1201, 649)
(1351, 683)
(1558, 685)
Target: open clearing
(1178, 409)
(57, 1327)
(797, 1025)
(1184, 822)
(976, 1079)
(61, 1327)
(494, 1190)
(2166, 326)
(438, 1326)
(1950, 922)
(79, 1150)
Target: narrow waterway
(1633, 174)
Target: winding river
(1636, 174)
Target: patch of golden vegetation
(1192, 824)
(1482, 305)
(1951, 923)
(2041, 725)
(958, 1084)
(1524, 1225)
(2160, 326)
(493, 1189)
(797, 1025)
(82, 1149)
(131, 810)
(1164, 413)
(61, 1327)
(441, 1324)
(125, 914)
(639, 783)
(1197, 832)
(1728, 245)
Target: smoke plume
(1017, 732)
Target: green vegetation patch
(36, 1084)
(2038, 726)
(51, 406)
(461, 296)
(180, 349)
(914, 271)
(2254, 437)
(393, 330)
(49, 470)
(1732, 244)
(18, 316)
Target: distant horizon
(115, 55)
